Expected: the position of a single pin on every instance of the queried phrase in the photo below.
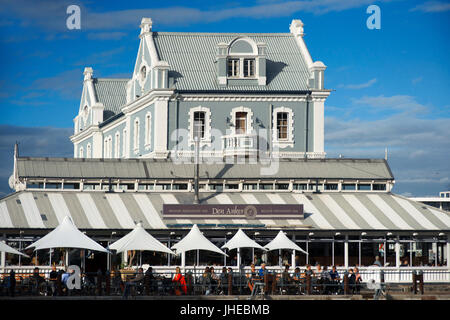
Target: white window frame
(136, 126)
(289, 142)
(124, 139)
(109, 147)
(206, 140)
(249, 122)
(81, 152)
(148, 130)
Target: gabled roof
(192, 57)
(112, 93)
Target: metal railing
(197, 282)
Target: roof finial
(385, 153)
(146, 25)
(296, 27)
(88, 72)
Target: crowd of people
(320, 279)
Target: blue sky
(391, 85)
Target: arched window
(81, 152)
(200, 124)
(109, 147)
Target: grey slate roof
(148, 168)
(326, 211)
(112, 93)
(193, 55)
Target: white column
(346, 252)
(160, 132)
(238, 257)
(3, 258)
(183, 259)
(397, 253)
(293, 259)
(318, 129)
(448, 253)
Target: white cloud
(359, 86)
(403, 103)
(418, 149)
(432, 6)
(54, 16)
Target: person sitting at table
(37, 282)
(286, 279)
(179, 282)
(214, 279)
(297, 275)
(133, 282)
(252, 277)
(263, 271)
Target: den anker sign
(249, 211)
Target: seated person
(179, 282)
(37, 281)
(263, 271)
(133, 282)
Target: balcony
(240, 144)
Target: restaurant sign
(233, 211)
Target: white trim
(249, 120)
(206, 140)
(148, 130)
(124, 142)
(289, 142)
(136, 129)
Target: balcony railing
(240, 144)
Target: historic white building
(237, 87)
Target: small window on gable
(143, 73)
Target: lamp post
(197, 136)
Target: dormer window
(233, 68)
(249, 68)
(240, 59)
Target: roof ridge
(112, 79)
(223, 33)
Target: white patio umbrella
(5, 248)
(241, 240)
(281, 241)
(66, 235)
(195, 240)
(139, 239)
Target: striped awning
(325, 211)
